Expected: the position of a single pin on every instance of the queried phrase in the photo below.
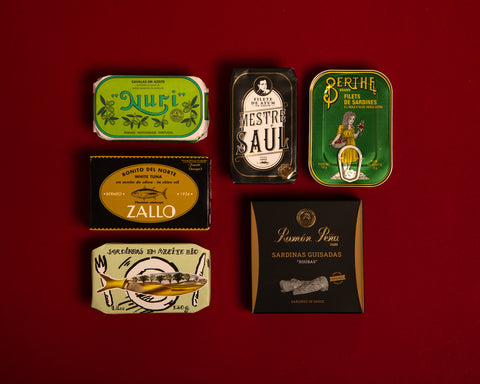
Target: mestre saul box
(150, 192)
(307, 257)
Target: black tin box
(149, 192)
(307, 257)
(263, 126)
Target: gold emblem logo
(285, 171)
(337, 278)
(306, 218)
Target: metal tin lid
(149, 193)
(165, 108)
(350, 128)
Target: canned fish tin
(150, 278)
(149, 193)
(307, 256)
(263, 134)
(350, 132)
(163, 108)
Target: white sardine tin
(150, 278)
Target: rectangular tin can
(263, 126)
(150, 278)
(350, 128)
(307, 256)
(149, 192)
(164, 108)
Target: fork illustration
(101, 267)
(199, 272)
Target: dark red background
(421, 323)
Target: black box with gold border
(307, 257)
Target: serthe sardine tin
(161, 108)
(150, 278)
(350, 141)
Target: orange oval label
(149, 193)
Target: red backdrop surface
(421, 320)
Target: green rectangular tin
(350, 128)
(162, 108)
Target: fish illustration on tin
(149, 193)
(157, 284)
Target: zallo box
(350, 128)
(307, 257)
(263, 132)
(149, 192)
(150, 278)
(165, 108)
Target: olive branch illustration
(189, 107)
(161, 122)
(135, 120)
(107, 112)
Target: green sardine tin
(162, 108)
(350, 128)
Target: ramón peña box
(307, 257)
